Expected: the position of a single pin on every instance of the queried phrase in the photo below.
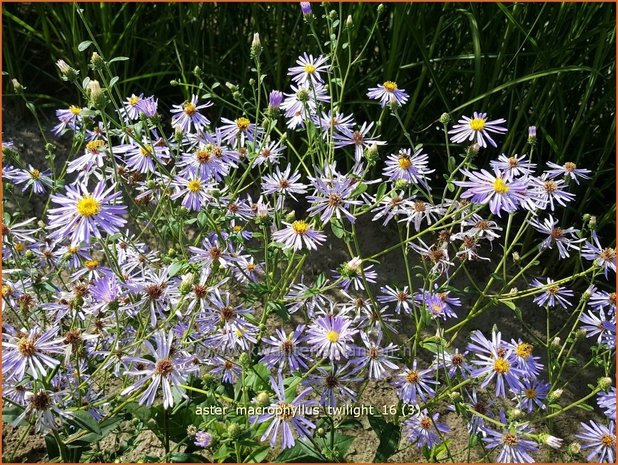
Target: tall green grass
(546, 64)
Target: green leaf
(360, 188)
(381, 191)
(341, 443)
(184, 457)
(118, 59)
(337, 227)
(389, 434)
(84, 420)
(509, 304)
(258, 454)
(107, 426)
(113, 81)
(84, 45)
(175, 268)
(299, 453)
(10, 414)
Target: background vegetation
(548, 64)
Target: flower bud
(234, 430)
(371, 154)
(473, 149)
(97, 97)
(532, 135)
(262, 399)
(575, 448)
(97, 61)
(349, 23)
(401, 184)
(592, 222)
(245, 359)
(332, 14)
(516, 257)
(173, 83)
(555, 343)
(580, 334)
(604, 383)
(17, 87)
(454, 396)
(320, 432)
(41, 224)
(555, 395)
(515, 414)
(305, 7)
(256, 46)
(191, 430)
(380, 8)
(290, 217)
(445, 118)
(551, 441)
(197, 71)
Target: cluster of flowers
(125, 312)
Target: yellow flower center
(502, 366)
(500, 186)
(477, 124)
(524, 350)
(36, 174)
(91, 264)
(309, 68)
(26, 347)
(300, 227)
(332, 336)
(412, 377)
(20, 246)
(133, 100)
(570, 166)
(146, 150)
(390, 86)
(242, 123)
(194, 185)
(75, 110)
(88, 206)
(530, 393)
(73, 249)
(190, 109)
(94, 145)
(404, 163)
(608, 440)
(6, 290)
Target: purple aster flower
(44, 408)
(193, 190)
(30, 352)
(564, 239)
(359, 139)
(275, 98)
(283, 183)
(377, 359)
(70, 118)
(285, 350)
(607, 402)
(476, 423)
(568, 170)
(413, 168)
(130, 109)
(83, 213)
(494, 360)
(603, 299)
(330, 122)
(553, 294)
(479, 228)
(547, 191)
(269, 153)
(453, 362)
(424, 429)
(388, 94)
(239, 130)
(501, 193)
(298, 234)
(214, 249)
(230, 371)
(601, 439)
(187, 115)
(331, 337)
(515, 445)
(203, 439)
(308, 69)
(305, 7)
(532, 395)
(168, 370)
(524, 360)
(352, 272)
(148, 106)
(92, 162)
(38, 181)
(302, 296)
(403, 298)
(302, 103)
(286, 417)
(602, 257)
(390, 206)
(600, 325)
(436, 255)
(415, 384)
(514, 166)
(332, 198)
(477, 129)
(332, 383)
(439, 305)
(144, 157)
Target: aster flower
(44, 408)
(298, 234)
(333, 385)
(515, 447)
(70, 118)
(403, 298)
(283, 183)
(532, 395)
(600, 325)
(167, 370)
(501, 193)
(130, 108)
(415, 385)
(359, 139)
(203, 439)
(391, 206)
(494, 361)
(82, 213)
(553, 294)
(143, 157)
(230, 372)
(607, 402)
(332, 198)
(269, 153)
(480, 228)
(287, 417)
(92, 162)
(302, 296)
(453, 362)
(514, 166)
(547, 191)
(569, 171)
(439, 304)
(301, 104)
(377, 359)
(603, 299)
(601, 439)
(477, 129)
(274, 99)
(214, 249)
(30, 351)
(239, 130)
(305, 7)
(148, 106)
(601, 257)
(31, 178)
(309, 69)
(331, 337)
(193, 189)
(388, 94)
(330, 122)
(352, 272)
(424, 429)
(436, 255)
(524, 360)
(285, 351)
(410, 167)
(563, 238)
(187, 115)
